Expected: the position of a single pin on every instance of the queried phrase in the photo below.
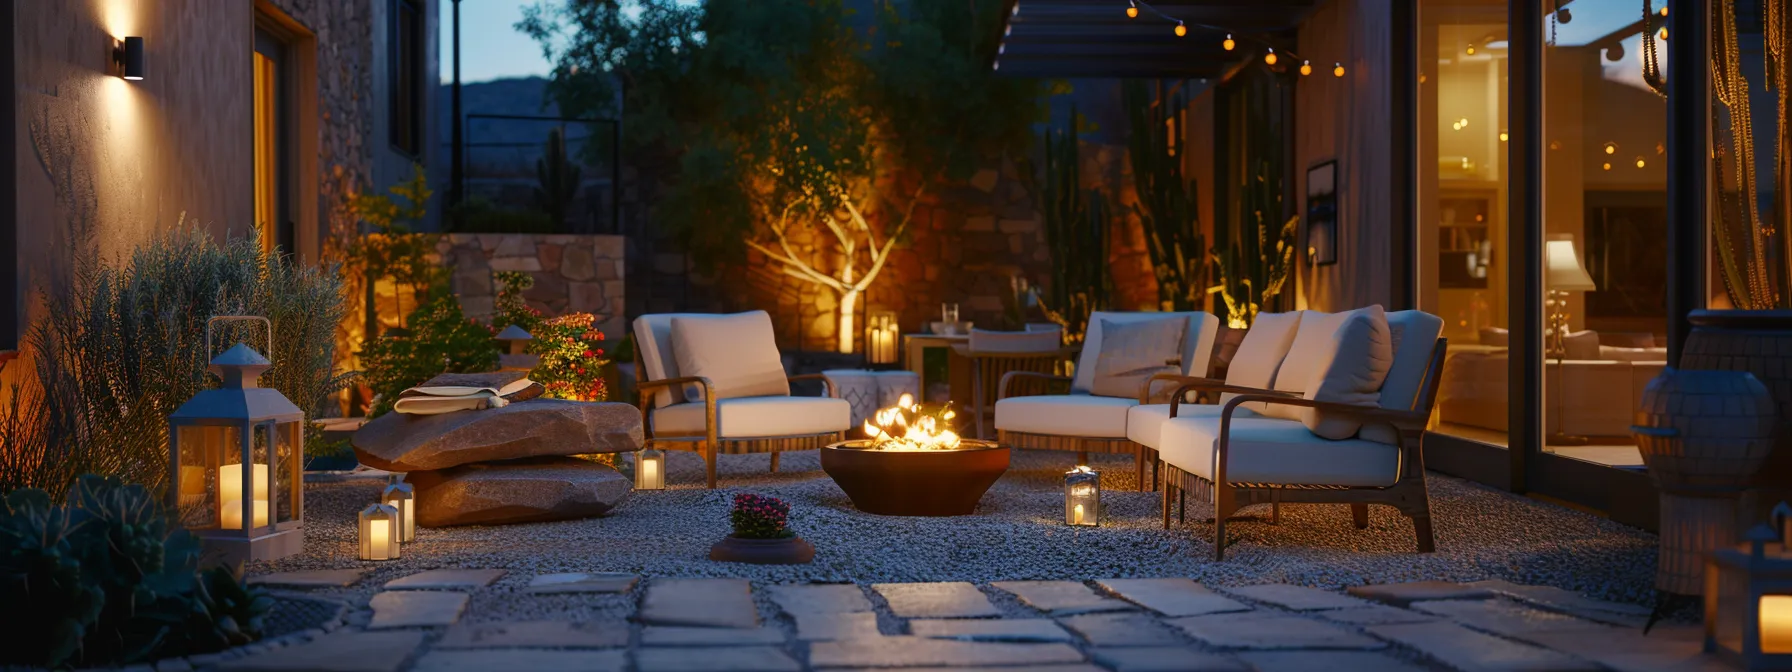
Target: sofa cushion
(1197, 344)
(1065, 415)
(1414, 334)
(1649, 354)
(1280, 452)
(1261, 353)
(653, 342)
(748, 417)
(1144, 423)
(1132, 351)
(1581, 345)
(983, 340)
(1341, 358)
(737, 353)
(1496, 337)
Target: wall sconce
(127, 57)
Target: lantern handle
(265, 322)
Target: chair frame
(987, 362)
(710, 446)
(1407, 493)
(1083, 445)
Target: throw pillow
(737, 353)
(1261, 353)
(1344, 358)
(1132, 351)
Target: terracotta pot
(787, 551)
(1759, 342)
(915, 483)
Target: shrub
(111, 578)
(572, 355)
(440, 339)
(760, 517)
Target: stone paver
(1172, 597)
(736, 659)
(1667, 648)
(1374, 615)
(905, 651)
(1471, 651)
(1000, 630)
(1501, 617)
(1403, 594)
(537, 634)
(1325, 661)
(820, 598)
(1570, 602)
(1166, 659)
(1124, 629)
(1068, 667)
(416, 608)
(936, 600)
(1272, 632)
(580, 582)
(815, 627)
(1061, 598)
(337, 652)
(671, 635)
(709, 603)
(1298, 598)
(446, 579)
(310, 578)
(534, 660)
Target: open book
(448, 393)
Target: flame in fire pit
(906, 426)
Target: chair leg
(1181, 505)
(1421, 527)
(1166, 510)
(709, 462)
(1222, 509)
(1138, 467)
(775, 463)
(1359, 516)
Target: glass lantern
(881, 337)
(1082, 496)
(650, 469)
(402, 497)
(515, 356)
(236, 454)
(1748, 602)
(379, 532)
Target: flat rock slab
(988, 630)
(446, 579)
(936, 600)
(1298, 598)
(1374, 615)
(1667, 648)
(1325, 661)
(738, 659)
(335, 652)
(816, 627)
(537, 635)
(579, 582)
(674, 635)
(416, 608)
(310, 578)
(1501, 617)
(904, 651)
(1471, 651)
(1272, 632)
(520, 491)
(820, 598)
(1402, 594)
(704, 603)
(1165, 659)
(534, 660)
(535, 428)
(1172, 597)
(1061, 598)
(1123, 629)
(1570, 602)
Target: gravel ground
(1017, 534)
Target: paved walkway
(432, 622)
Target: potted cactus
(762, 534)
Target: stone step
(1060, 598)
(936, 600)
(1171, 597)
(709, 603)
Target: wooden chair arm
(1002, 388)
(644, 387)
(827, 386)
(1215, 385)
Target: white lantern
(1082, 497)
(379, 532)
(403, 498)
(650, 469)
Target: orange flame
(906, 426)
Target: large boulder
(535, 428)
(523, 491)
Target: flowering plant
(572, 357)
(759, 517)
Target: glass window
(407, 76)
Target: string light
(1639, 162)
(1181, 30)
(1664, 10)
(1607, 166)
(1229, 44)
(1269, 56)
(1132, 10)
(1337, 69)
(1662, 34)
(1470, 50)
(1503, 136)
(1464, 122)
(1306, 68)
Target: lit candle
(1776, 623)
(650, 470)
(380, 532)
(231, 514)
(230, 492)
(1079, 514)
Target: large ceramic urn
(1759, 342)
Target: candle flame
(907, 426)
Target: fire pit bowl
(915, 482)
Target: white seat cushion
(1143, 423)
(1277, 452)
(1065, 415)
(751, 417)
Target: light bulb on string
(1662, 34)
(1132, 11)
(1306, 68)
(1229, 44)
(1470, 50)
(1337, 69)
(1181, 30)
(1269, 56)
(1504, 137)
(1640, 163)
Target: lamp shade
(1562, 268)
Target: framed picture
(1322, 214)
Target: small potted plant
(762, 534)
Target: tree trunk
(849, 301)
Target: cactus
(1076, 232)
(1166, 204)
(1253, 271)
(557, 179)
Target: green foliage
(1076, 232)
(440, 339)
(570, 346)
(110, 578)
(126, 347)
(760, 517)
(390, 249)
(478, 215)
(557, 179)
(1254, 270)
(1167, 202)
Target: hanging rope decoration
(1651, 54)
(1270, 57)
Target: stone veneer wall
(573, 273)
